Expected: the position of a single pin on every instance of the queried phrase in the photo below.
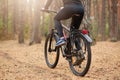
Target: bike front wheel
(80, 61)
(51, 53)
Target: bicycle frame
(71, 50)
(86, 36)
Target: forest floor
(24, 62)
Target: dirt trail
(24, 62)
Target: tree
(103, 21)
(5, 15)
(14, 18)
(118, 19)
(21, 18)
(36, 37)
(114, 18)
(97, 16)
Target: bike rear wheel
(83, 59)
(51, 53)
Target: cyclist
(71, 7)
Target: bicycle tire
(46, 52)
(84, 72)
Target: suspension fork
(51, 36)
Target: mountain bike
(79, 60)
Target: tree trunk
(36, 37)
(114, 23)
(97, 16)
(14, 19)
(103, 21)
(5, 16)
(118, 20)
(21, 21)
(109, 15)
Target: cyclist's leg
(62, 15)
(75, 24)
(76, 21)
(65, 13)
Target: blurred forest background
(22, 19)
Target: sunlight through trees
(22, 19)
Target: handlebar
(48, 11)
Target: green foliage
(45, 29)
(1, 24)
(9, 24)
(26, 31)
(93, 31)
(8, 33)
(107, 30)
(1, 28)
(47, 24)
